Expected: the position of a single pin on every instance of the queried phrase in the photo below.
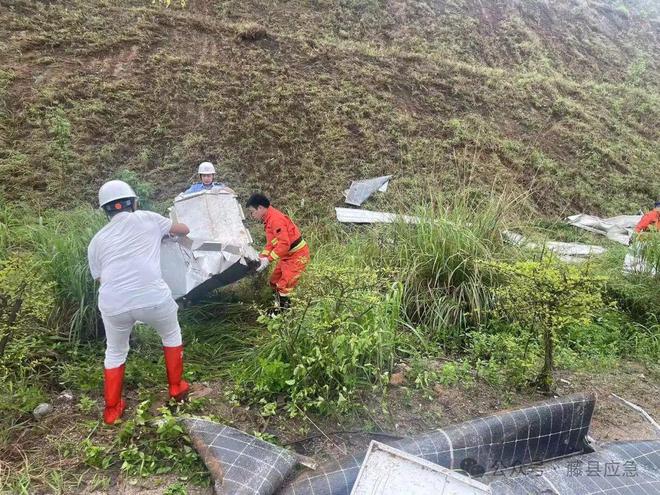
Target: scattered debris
(65, 396)
(573, 252)
(42, 410)
(618, 229)
(361, 190)
(635, 407)
(217, 252)
(534, 446)
(351, 215)
(387, 470)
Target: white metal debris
(218, 250)
(360, 190)
(618, 229)
(567, 251)
(352, 215)
(386, 470)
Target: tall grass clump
(638, 294)
(440, 261)
(58, 241)
(61, 239)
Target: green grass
(440, 261)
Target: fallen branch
(646, 415)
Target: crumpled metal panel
(361, 190)
(213, 216)
(217, 252)
(572, 252)
(618, 229)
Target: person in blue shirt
(206, 173)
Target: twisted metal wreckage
(217, 252)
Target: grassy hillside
(298, 97)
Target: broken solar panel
(360, 190)
(549, 430)
(240, 464)
(621, 468)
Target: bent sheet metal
(217, 252)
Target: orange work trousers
(288, 270)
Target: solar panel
(622, 468)
(551, 429)
(240, 463)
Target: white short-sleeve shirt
(125, 255)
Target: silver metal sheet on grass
(387, 470)
(572, 252)
(618, 229)
(352, 215)
(361, 190)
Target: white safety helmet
(114, 190)
(206, 168)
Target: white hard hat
(206, 168)
(114, 190)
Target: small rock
(42, 410)
(65, 396)
(565, 381)
(397, 379)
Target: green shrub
(638, 294)
(27, 344)
(147, 445)
(340, 333)
(545, 298)
(649, 251)
(503, 357)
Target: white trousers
(163, 318)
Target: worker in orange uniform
(651, 219)
(284, 246)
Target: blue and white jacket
(199, 186)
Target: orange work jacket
(283, 237)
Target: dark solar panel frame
(555, 477)
(542, 432)
(249, 466)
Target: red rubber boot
(112, 385)
(178, 387)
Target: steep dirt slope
(298, 97)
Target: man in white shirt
(124, 257)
